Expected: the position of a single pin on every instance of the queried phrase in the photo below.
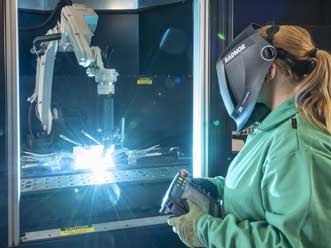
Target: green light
(76, 190)
(221, 36)
(216, 123)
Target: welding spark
(93, 158)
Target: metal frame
(220, 145)
(211, 145)
(13, 143)
(47, 5)
(201, 105)
(100, 227)
(143, 175)
(201, 87)
(230, 10)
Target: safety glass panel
(105, 115)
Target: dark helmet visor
(241, 71)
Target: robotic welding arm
(44, 77)
(73, 34)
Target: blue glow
(178, 80)
(164, 37)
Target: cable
(37, 47)
(58, 8)
(29, 121)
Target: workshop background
(152, 49)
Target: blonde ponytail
(313, 91)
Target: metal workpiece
(106, 177)
(47, 5)
(100, 227)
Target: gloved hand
(219, 182)
(186, 225)
(212, 185)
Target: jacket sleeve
(219, 182)
(291, 212)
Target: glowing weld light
(93, 158)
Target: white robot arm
(74, 33)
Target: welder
(277, 192)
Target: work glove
(186, 225)
(212, 185)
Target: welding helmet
(241, 72)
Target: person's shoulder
(297, 133)
(284, 138)
(298, 139)
(311, 137)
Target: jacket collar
(280, 114)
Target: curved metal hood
(96, 4)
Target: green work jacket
(277, 192)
